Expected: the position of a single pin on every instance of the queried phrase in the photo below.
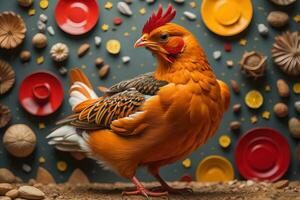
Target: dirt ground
(233, 190)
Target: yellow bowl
(214, 169)
(226, 17)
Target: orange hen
(154, 119)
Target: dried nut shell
(235, 125)
(7, 77)
(294, 127)
(19, 140)
(281, 110)
(25, 56)
(235, 86)
(283, 88)
(83, 49)
(236, 108)
(25, 3)
(39, 40)
(59, 52)
(13, 30)
(103, 72)
(283, 2)
(286, 51)
(253, 64)
(277, 19)
(5, 115)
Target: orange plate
(226, 17)
(214, 169)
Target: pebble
(4, 188)
(62, 70)
(26, 168)
(6, 176)
(189, 15)
(294, 127)
(29, 192)
(179, 1)
(83, 49)
(25, 56)
(283, 88)
(103, 72)
(43, 176)
(50, 30)
(236, 108)
(262, 29)
(277, 19)
(281, 184)
(280, 110)
(43, 18)
(235, 125)
(98, 41)
(99, 62)
(41, 26)
(124, 8)
(12, 193)
(229, 63)
(125, 59)
(235, 86)
(297, 106)
(77, 177)
(217, 55)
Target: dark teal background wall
(142, 61)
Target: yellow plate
(226, 17)
(214, 169)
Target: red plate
(41, 93)
(76, 17)
(262, 154)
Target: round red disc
(262, 154)
(41, 93)
(76, 17)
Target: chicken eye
(164, 36)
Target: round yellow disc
(296, 88)
(44, 4)
(254, 99)
(113, 46)
(61, 166)
(224, 141)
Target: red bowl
(41, 93)
(76, 17)
(262, 154)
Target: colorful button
(41, 93)
(262, 154)
(254, 99)
(226, 17)
(214, 169)
(77, 17)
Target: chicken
(154, 119)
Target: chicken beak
(141, 42)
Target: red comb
(158, 19)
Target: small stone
(12, 193)
(98, 41)
(83, 49)
(6, 176)
(25, 56)
(50, 30)
(235, 125)
(262, 29)
(280, 110)
(26, 168)
(29, 192)
(283, 88)
(235, 86)
(43, 18)
(281, 184)
(294, 127)
(125, 59)
(277, 19)
(44, 177)
(179, 1)
(4, 188)
(103, 72)
(229, 63)
(99, 62)
(217, 55)
(297, 106)
(41, 26)
(236, 108)
(124, 8)
(189, 15)
(77, 177)
(62, 70)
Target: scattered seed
(118, 21)
(99, 62)
(229, 63)
(189, 15)
(243, 42)
(235, 125)
(50, 30)
(235, 86)
(40, 60)
(268, 88)
(83, 49)
(217, 55)
(193, 4)
(26, 168)
(31, 12)
(124, 8)
(254, 119)
(296, 18)
(108, 5)
(62, 70)
(105, 27)
(236, 108)
(262, 29)
(142, 11)
(125, 59)
(42, 160)
(42, 125)
(227, 47)
(266, 115)
(103, 72)
(187, 163)
(98, 41)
